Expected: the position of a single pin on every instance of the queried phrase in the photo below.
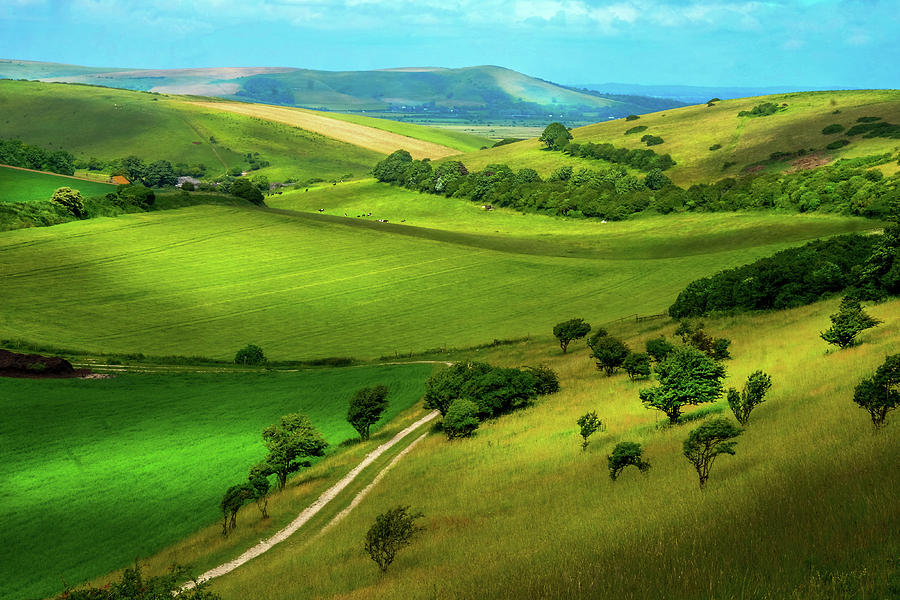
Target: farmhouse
(187, 179)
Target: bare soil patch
(37, 366)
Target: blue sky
(816, 43)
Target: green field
(128, 465)
(806, 509)
(206, 280)
(25, 186)
(689, 132)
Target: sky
(814, 43)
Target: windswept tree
(259, 481)
(589, 423)
(708, 441)
(610, 354)
(623, 455)
(555, 136)
(687, 377)
(289, 442)
(391, 532)
(880, 394)
(849, 321)
(366, 407)
(568, 331)
(235, 497)
(753, 393)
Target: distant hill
(691, 94)
(470, 93)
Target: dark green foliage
(792, 277)
(235, 497)
(69, 199)
(589, 424)
(632, 118)
(259, 483)
(19, 154)
(692, 332)
(610, 354)
(656, 180)
(753, 394)
(637, 365)
(599, 333)
(623, 455)
(366, 407)
(761, 110)
(849, 321)
(876, 130)
(506, 141)
(392, 168)
(567, 331)
(137, 195)
(712, 101)
(547, 380)
(868, 119)
(391, 532)
(687, 377)
(501, 390)
(442, 388)
(715, 147)
(289, 441)
(708, 441)
(160, 174)
(134, 586)
(652, 140)
(641, 159)
(659, 348)
(880, 394)
(833, 128)
(555, 136)
(461, 419)
(636, 129)
(837, 144)
(250, 355)
(880, 273)
(244, 188)
(187, 186)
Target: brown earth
(13, 364)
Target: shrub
(652, 140)
(134, 586)
(461, 419)
(632, 118)
(251, 354)
(742, 403)
(833, 128)
(588, 423)
(636, 129)
(610, 354)
(442, 388)
(187, 186)
(715, 147)
(391, 532)
(69, 199)
(637, 365)
(659, 348)
(547, 381)
(244, 188)
(836, 144)
(761, 110)
(623, 455)
(849, 321)
(501, 390)
(656, 180)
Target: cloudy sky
(816, 43)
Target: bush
(391, 532)
(742, 403)
(588, 423)
(250, 355)
(761, 110)
(69, 199)
(610, 354)
(636, 129)
(637, 365)
(652, 140)
(461, 419)
(134, 586)
(626, 454)
(715, 147)
(836, 144)
(659, 348)
(833, 128)
(244, 188)
(501, 390)
(632, 118)
(546, 378)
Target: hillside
(746, 144)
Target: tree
(259, 481)
(555, 133)
(547, 379)
(656, 179)
(849, 321)
(393, 168)
(366, 407)
(687, 377)
(742, 403)
(133, 168)
(461, 419)
(659, 348)
(708, 441)
(623, 455)
(136, 195)
(567, 331)
(251, 354)
(442, 388)
(291, 439)
(637, 365)
(243, 188)
(235, 497)
(599, 334)
(69, 199)
(501, 390)
(880, 394)
(610, 353)
(589, 423)
(392, 531)
(159, 174)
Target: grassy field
(298, 283)
(17, 185)
(97, 472)
(805, 510)
(689, 132)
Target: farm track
(323, 500)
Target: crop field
(805, 509)
(126, 466)
(206, 280)
(689, 132)
(17, 185)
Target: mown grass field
(689, 132)
(97, 472)
(806, 509)
(207, 280)
(17, 185)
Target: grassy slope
(689, 132)
(297, 285)
(24, 186)
(520, 512)
(79, 454)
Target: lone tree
(623, 455)
(251, 354)
(461, 419)
(708, 441)
(555, 135)
(590, 423)
(637, 365)
(69, 199)
(366, 407)
(742, 403)
(610, 354)
(687, 377)
(880, 394)
(567, 331)
(848, 322)
(289, 441)
(392, 531)
(235, 497)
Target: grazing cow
(321, 210)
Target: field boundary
(58, 175)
